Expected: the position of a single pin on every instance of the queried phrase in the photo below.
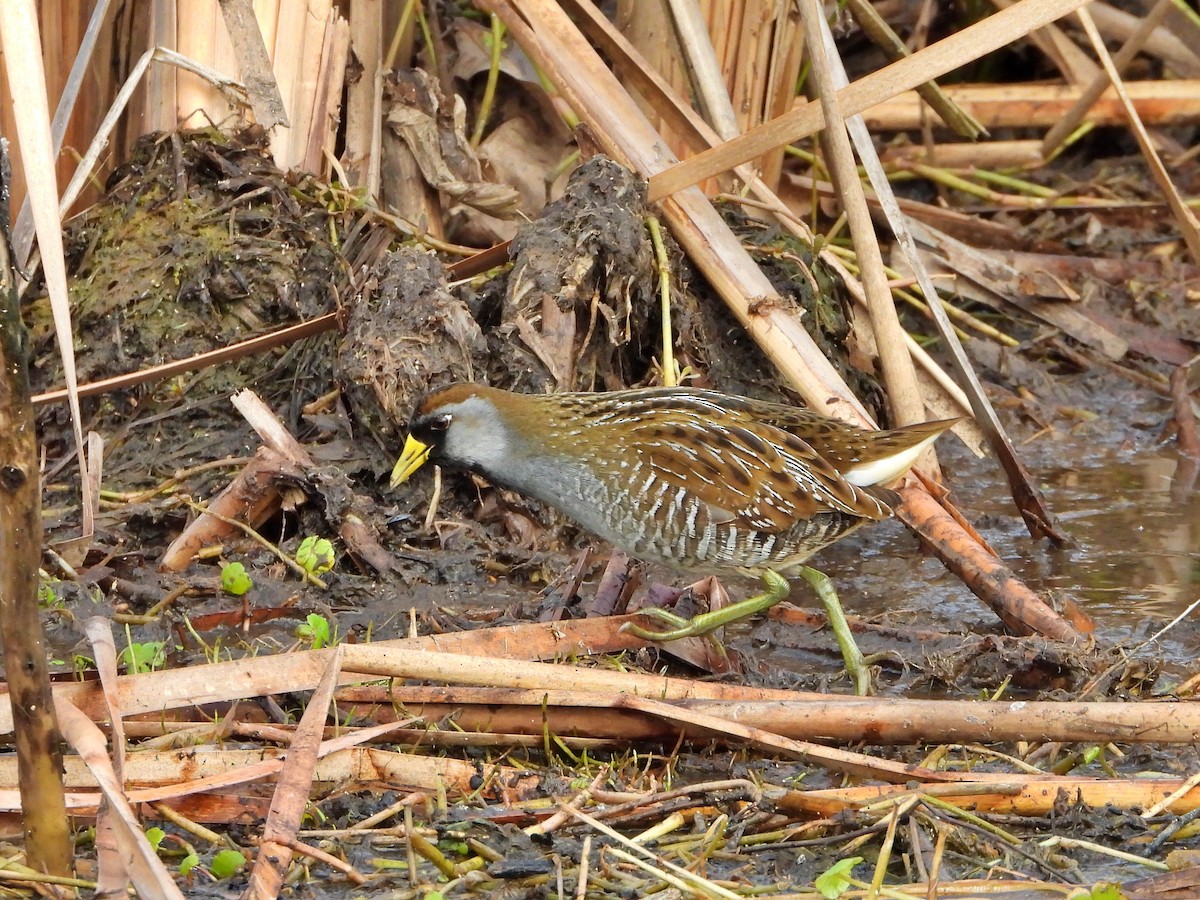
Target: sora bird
(692, 478)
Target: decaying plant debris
(493, 729)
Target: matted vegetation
(276, 675)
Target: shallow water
(1136, 522)
(1130, 506)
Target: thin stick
(904, 397)
(1189, 225)
(670, 377)
(992, 33)
(1098, 85)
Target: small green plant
(227, 863)
(155, 837)
(1102, 890)
(48, 597)
(448, 847)
(314, 816)
(144, 657)
(833, 882)
(234, 579)
(316, 555)
(188, 863)
(315, 631)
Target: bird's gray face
(465, 434)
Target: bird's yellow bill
(411, 458)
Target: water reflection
(1134, 517)
(1137, 525)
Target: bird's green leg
(776, 588)
(856, 666)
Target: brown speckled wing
(838, 443)
(763, 479)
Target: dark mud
(1095, 444)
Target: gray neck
(570, 487)
(479, 440)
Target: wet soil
(1095, 443)
(1132, 564)
(1094, 440)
